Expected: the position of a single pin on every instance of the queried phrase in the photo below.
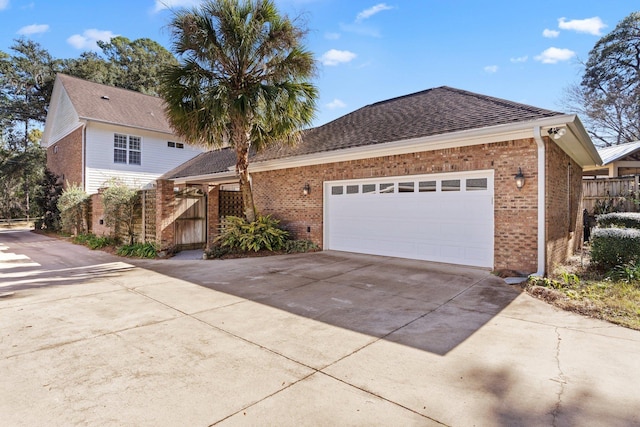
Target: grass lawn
(612, 296)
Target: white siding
(61, 119)
(157, 157)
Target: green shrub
(297, 246)
(611, 247)
(264, 233)
(121, 206)
(620, 220)
(72, 205)
(138, 250)
(94, 242)
(628, 273)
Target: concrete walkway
(312, 339)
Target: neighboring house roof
(618, 152)
(429, 113)
(108, 104)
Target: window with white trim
(172, 144)
(127, 149)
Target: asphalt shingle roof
(431, 112)
(215, 161)
(94, 101)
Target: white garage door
(444, 217)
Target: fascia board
(437, 142)
(218, 178)
(592, 157)
(91, 119)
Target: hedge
(614, 246)
(619, 219)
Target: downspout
(537, 136)
(84, 155)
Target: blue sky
(369, 51)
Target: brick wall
(97, 214)
(563, 205)
(279, 192)
(64, 158)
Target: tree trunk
(242, 165)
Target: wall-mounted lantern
(306, 189)
(519, 177)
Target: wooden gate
(191, 223)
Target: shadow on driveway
(429, 306)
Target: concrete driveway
(313, 339)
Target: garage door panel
(454, 227)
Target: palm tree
(242, 80)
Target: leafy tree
(90, 66)
(121, 204)
(609, 93)
(48, 193)
(26, 84)
(242, 80)
(20, 173)
(136, 65)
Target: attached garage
(438, 217)
(426, 176)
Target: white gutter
(542, 230)
(463, 138)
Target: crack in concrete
(562, 380)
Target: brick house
(427, 176)
(95, 132)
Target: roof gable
(108, 104)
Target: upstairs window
(127, 149)
(172, 144)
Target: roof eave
(93, 119)
(211, 178)
(464, 138)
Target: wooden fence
(611, 195)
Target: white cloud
(88, 39)
(590, 25)
(336, 103)
(171, 4)
(332, 36)
(368, 13)
(335, 57)
(491, 69)
(33, 29)
(4, 4)
(550, 34)
(519, 59)
(554, 55)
